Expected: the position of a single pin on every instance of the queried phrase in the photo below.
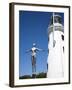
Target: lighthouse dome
(57, 19)
(56, 23)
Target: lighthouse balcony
(57, 27)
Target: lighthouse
(55, 60)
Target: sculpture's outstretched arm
(28, 50)
(38, 49)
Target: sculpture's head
(34, 44)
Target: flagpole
(53, 29)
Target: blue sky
(33, 29)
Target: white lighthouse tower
(55, 47)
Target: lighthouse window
(62, 37)
(63, 49)
(47, 66)
(48, 39)
(48, 50)
(57, 19)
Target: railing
(57, 28)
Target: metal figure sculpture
(33, 51)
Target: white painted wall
(55, 57)
(4, 44)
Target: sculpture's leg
(35, 63)
(33, 66)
